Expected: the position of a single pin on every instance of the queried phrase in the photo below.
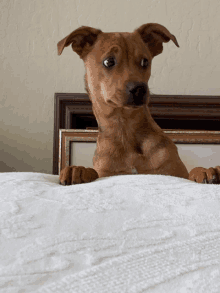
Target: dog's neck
(121, 120)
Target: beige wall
(31, 72)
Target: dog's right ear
(82, 39)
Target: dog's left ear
(154, 35)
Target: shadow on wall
(12, 161)
(5, 168)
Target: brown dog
(118, 67)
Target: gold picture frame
(68, 136)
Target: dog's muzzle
(136, 93)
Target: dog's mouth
(127, 106)
(134, 106)
(137, 102)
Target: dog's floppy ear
(81, 39)
(154, 35)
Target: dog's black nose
(137, 93)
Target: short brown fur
(129, 140)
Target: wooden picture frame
(193, 136)
(68, 136)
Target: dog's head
(118, 65)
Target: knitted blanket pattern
(133, 233)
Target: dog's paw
(77, 174)
(203, 175)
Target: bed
(127, 233)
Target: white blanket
(133, 233)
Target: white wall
(31, 72)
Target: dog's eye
(144, 62)
(109, 62)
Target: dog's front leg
(77, 174)
(110, 160)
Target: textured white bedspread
(133, 233)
